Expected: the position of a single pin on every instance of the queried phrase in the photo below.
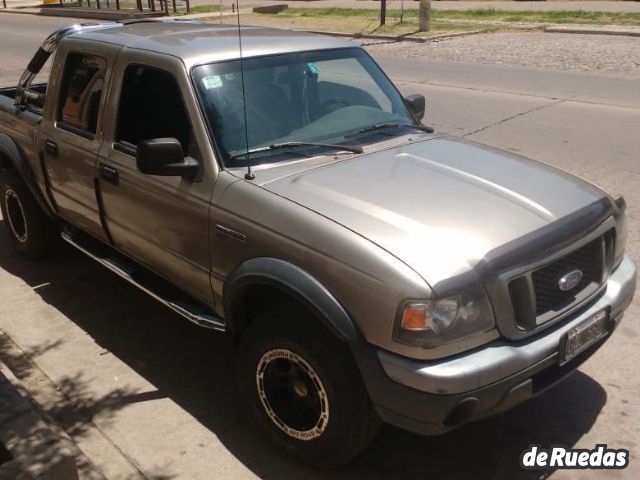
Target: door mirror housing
(165, 157)
(416, 103)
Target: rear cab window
(81, 94)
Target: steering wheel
(334, 104)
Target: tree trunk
(383, 12)
(425, 15)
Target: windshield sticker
(212, 81)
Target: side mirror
(416, 104)
(165, 157)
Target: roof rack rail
(23, 94)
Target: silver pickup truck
(367, 268)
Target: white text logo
(601, 457)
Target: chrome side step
(191, 312)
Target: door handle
(51, 147)
(109, 174)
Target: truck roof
(197, 43)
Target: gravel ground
(593, 53)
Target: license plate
(583, 336)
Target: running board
(145, 280)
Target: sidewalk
(29, 446)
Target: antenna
(249, 175)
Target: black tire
(336, 416)
(30, 229)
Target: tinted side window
(81, 91)
(151, 107)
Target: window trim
(124, 147)
(61, 124)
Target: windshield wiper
(380, 126)
(286, 145)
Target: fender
(10, 150)
(294, 281)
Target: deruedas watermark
(601, 457)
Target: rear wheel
(29, 228)
(305, 391)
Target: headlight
(431, 323)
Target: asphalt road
(555, 5)
(147, 395)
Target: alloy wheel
(292, 394)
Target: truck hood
(439, 205)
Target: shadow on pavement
(193, 367)
(72, 411)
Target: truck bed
(20, 128)
(11, 91)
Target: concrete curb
(96, 456)
(592, 31)
(36, 450)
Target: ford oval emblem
(570, 280)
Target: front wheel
(305, 391)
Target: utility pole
(425, 15)
(383, 12)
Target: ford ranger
(278, 187)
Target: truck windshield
(329, 96)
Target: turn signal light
(416, 317)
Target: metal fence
(140, 5)
(164, 6)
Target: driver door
(160, 221)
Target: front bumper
(431, 397)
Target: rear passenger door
(70, 134)
(160, 221)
